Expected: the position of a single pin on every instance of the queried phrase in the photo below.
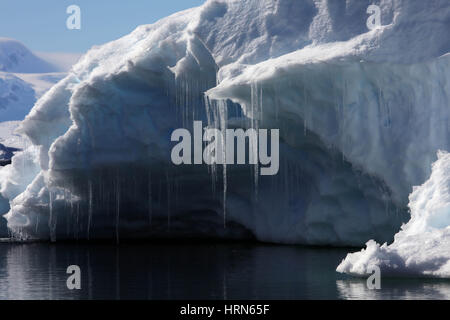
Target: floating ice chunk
(422, 247)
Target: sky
(41, 24)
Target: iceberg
(360, 115)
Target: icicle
(150, 208)
(90, 210)
(37, 225)
(66, 204)
(117, 208)
(89, 274)
(215, 124)
(168, 200)
(217, 117)
(209, 109)
(71, 211)
(77, 220)
(223, 127)
(305, 125)
(117, 271)
(52, 220)
(254, 121)
(160, 202)
(344, 120)
(176, 192)
(260, 103)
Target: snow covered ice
(422, 247)
(361, 116)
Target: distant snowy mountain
(16, 97)
(25, 77)
(15, 57)
(361, 113)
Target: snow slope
(361, 115)
(16, 98)
(20, 91)
(41, 82)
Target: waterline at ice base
(361, 116)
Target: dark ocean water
(192, 271)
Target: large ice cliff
(361, 115)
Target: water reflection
(405, 289)
(191, 271)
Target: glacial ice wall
(361, 114)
